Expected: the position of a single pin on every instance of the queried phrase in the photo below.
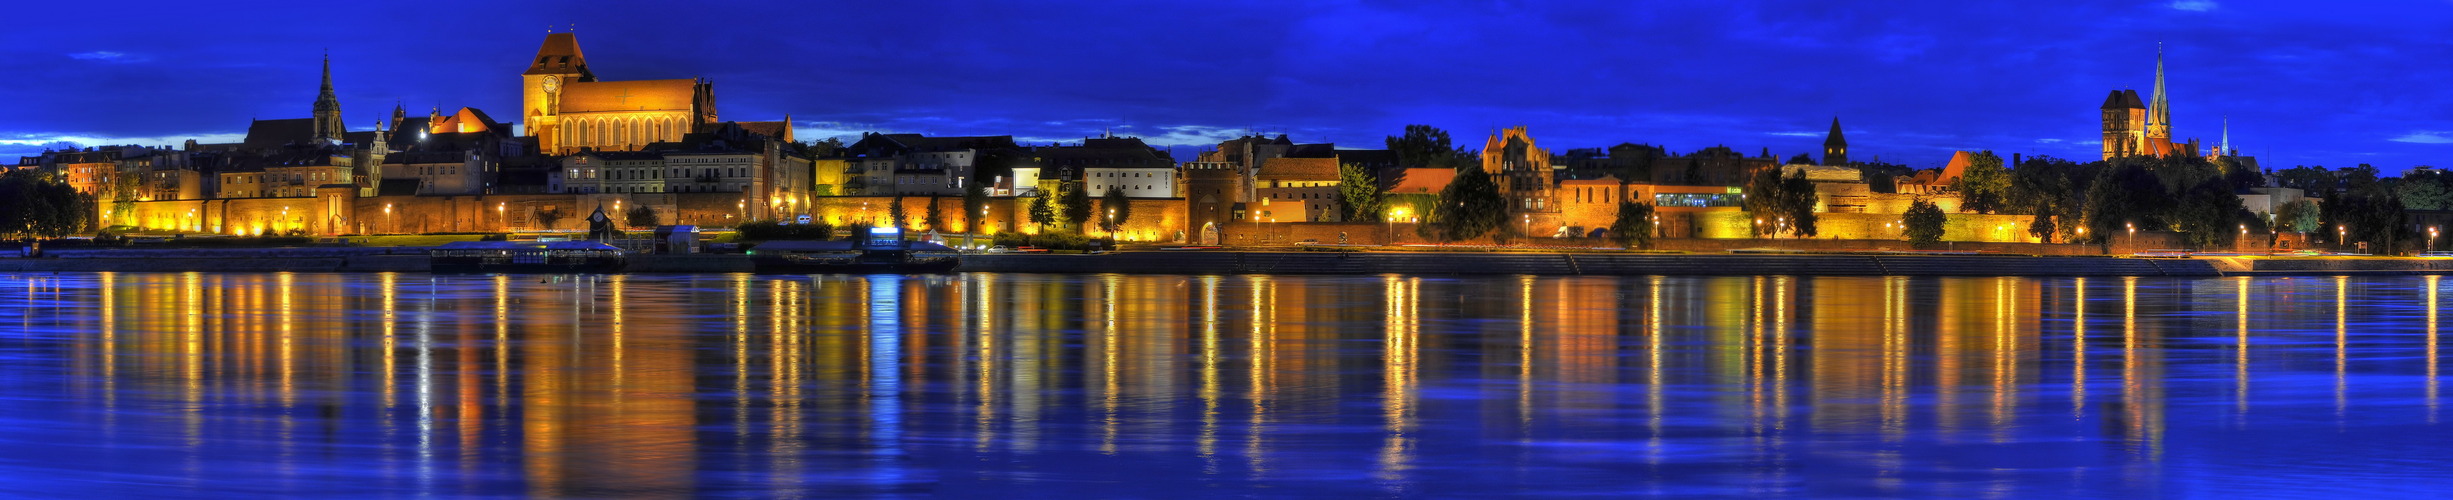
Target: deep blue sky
(2302, 82)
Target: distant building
(567, 109)
(2134, 128)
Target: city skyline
(2296, 85)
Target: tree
(1633, 229)
(126, 189)
(974, 200)
(1470, 206)
(2300, 216)
(894, 212)
(1784, 203)
(2045, 188)
(1985, 186)
(1119, 209)
(2431, 190)
(934, 220)
(1360, 189)
(1074, 205)
(37, 205)
(1421, 146)
(1043, 212)
(547, 217)
(641, 216)
(1923, 222)
(2316, 181)
(822, 148)
(2126, 194)
(2208, 215)
(1801, 159)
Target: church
(568, 110)
(2135, 128)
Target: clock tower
(558, 63)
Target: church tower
(1835, 147)
(327, 109)
(558, 63)
(2159, 115)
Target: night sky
(2303, 83)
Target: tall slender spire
(327, 108)
(2225, 148)
(2159, 114)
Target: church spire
(327, 108)
(2159, 113)
(2225, 148)
(1835, 147)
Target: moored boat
(884, 252)
(526, 257)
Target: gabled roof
(2124, 99)
(1422, 180)
(1298, 169)
(779, 130)
(272, 134)
(466, 120)
(632, 95)
(560, 56)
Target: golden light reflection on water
(632, 385)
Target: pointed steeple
(2225, 148)
(1835, 146)
(327, 108)
(2159, 111)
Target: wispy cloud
(2194, 5)
(1795, 134)
(2426, 137)
(2048, 140)
(35, 143)
(105, 56)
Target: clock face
(552, 83)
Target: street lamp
(387, 218)
(2341, 233)
(2133, 235)
(1528, 225)
(2431, 238)
(502, 212)
(2244, 233)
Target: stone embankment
(402, 259)
(1205, 262)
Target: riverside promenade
(413, 259)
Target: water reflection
(1116, 385)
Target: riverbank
(354, 259)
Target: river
(1218, 386)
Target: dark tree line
(33, 204)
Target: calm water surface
(1175, 386)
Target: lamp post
(2133, 235)
(2431, 238)
(2244, 233)
(388, 226)
(2341, 233)
(502, 213)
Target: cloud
(2194, 5)
(2426, 137)
(1795, 134)
(2048, 140)
(12, 144)
(105, 56)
